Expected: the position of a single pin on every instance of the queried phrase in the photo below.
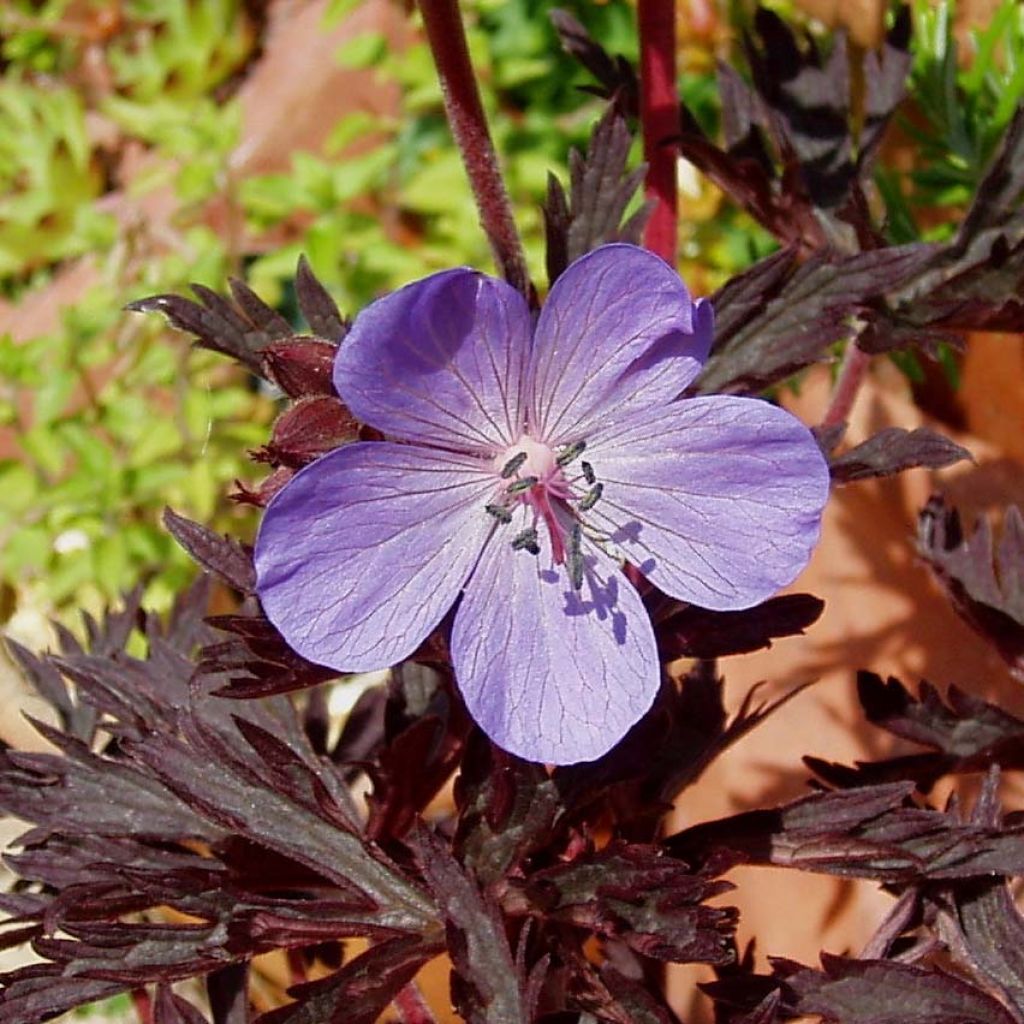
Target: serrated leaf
(787, 321)
(686, 631)
(217, 553)
(600, 190)
(894, 450)
(486, 984)
(986, 586)
(883, 992)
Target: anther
(500, 512)
(591, 498)
(521, 485)
(588, 473)
(526, 541)
(574, 557)
(512, 466)
(572, 452)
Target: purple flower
(528, 463)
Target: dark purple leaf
(217, 324)
(257, 662)
(600, 189)
(615, 74)
(882, 992)
(966, 727)
(424, 733)
(39, 992)
(487, 985)
(169, 1008)
(666, 751)
(996, 202)
(792, 321)
(317, 306)
(257, 312)
(810, 98)
(966, 733)
(614, 997)
(242, 803)
(690, 632)
(869, 832)
(985, 585)
(507, 809)
(634, 893)
(885, 85)
(81, 793)
(224, 556)
(360, 991)
(893, 450)
(979, 918)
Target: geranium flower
(526, 464)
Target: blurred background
(147, 144)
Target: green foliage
(963, 110)
(49, 179)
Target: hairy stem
(447, 38)
(852, 371)
(659, 118)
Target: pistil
(533, 474)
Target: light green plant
(49, 180)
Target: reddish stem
(659, 118)
(852, 371)
(412, 1007)
(447, 38)
(143, 1005)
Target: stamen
(500, 512)
(591, 498)
(588, 473)
(520, 485)
(570, 453)
(574, 557)
(526, 541)
(512, 466)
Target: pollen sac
(500, 512)
(574, 451)
(591, 498)
(513, 465)
(526, 541)
(521, 485)
(574, 557)
(588, 473)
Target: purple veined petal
(717, 500)
(550, 674)
(440, 361)
(361, 554)
(618, 332)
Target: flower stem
(851, 375)
(447, 38)
(659, 118)
(412, 1007)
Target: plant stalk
(852, 371)
(447, 38)
(659, 119)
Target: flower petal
(618, 332)
(717, 500)
(362, 553)
(440, 361)
(551, 674)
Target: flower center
(532, 473)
